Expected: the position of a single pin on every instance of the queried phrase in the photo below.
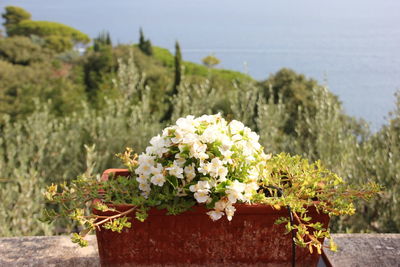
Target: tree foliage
(58, 36)
(210, 61)
(295, 90)
(13, 16)
(145, 44)
(22, 51)
(178, 68)
(103, 39)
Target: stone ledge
(365, 250)
(354, 250)
(47, 251)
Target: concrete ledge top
(47, 251)
(354, 250)
(365, 250)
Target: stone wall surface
(363, 250)
(47, 251)
(355, 250)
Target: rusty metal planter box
(192, 238)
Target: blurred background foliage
(64, 113)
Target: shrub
(21, 50)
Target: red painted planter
(192, 238)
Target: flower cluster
(215, 162)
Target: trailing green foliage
(302, 186)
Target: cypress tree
(141, 39)
(148, 49)
(145, 45)
(108, 39)
(178, 68)
(103, 39)
(177, 82)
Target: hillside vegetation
(64, 113)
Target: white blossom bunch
(215, 162)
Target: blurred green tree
(98, 65)
(13, 16)
(210, 61)
(293, 89)
(178, 68)
(177, 81)
(103, 39)
(145, 45)
(21, 50)
(58, 37)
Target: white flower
(215, 165)
(167, 131)
(253, 137)
(189, 138)
(215, 215)
(249, 190)
(222, 173)
(176, 171)
(157, 170)
(146, 159)
(198, 151)
(144, 169)
(180, 162)
(220, 205)
(230, 211)
(145, 187)
(159, 146)
(201, 185)
(201, 195)
(234, 191)
(237, 186)
(158, 179)
(188, 149)
(179, 135)
(211, 119)
(237, 137)
(236, 126)
(216, 169)
(142, 179)
(210, 134)
(225, 149)
(204, 168)
(188, 124)
(247, 149)
(190, 172)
